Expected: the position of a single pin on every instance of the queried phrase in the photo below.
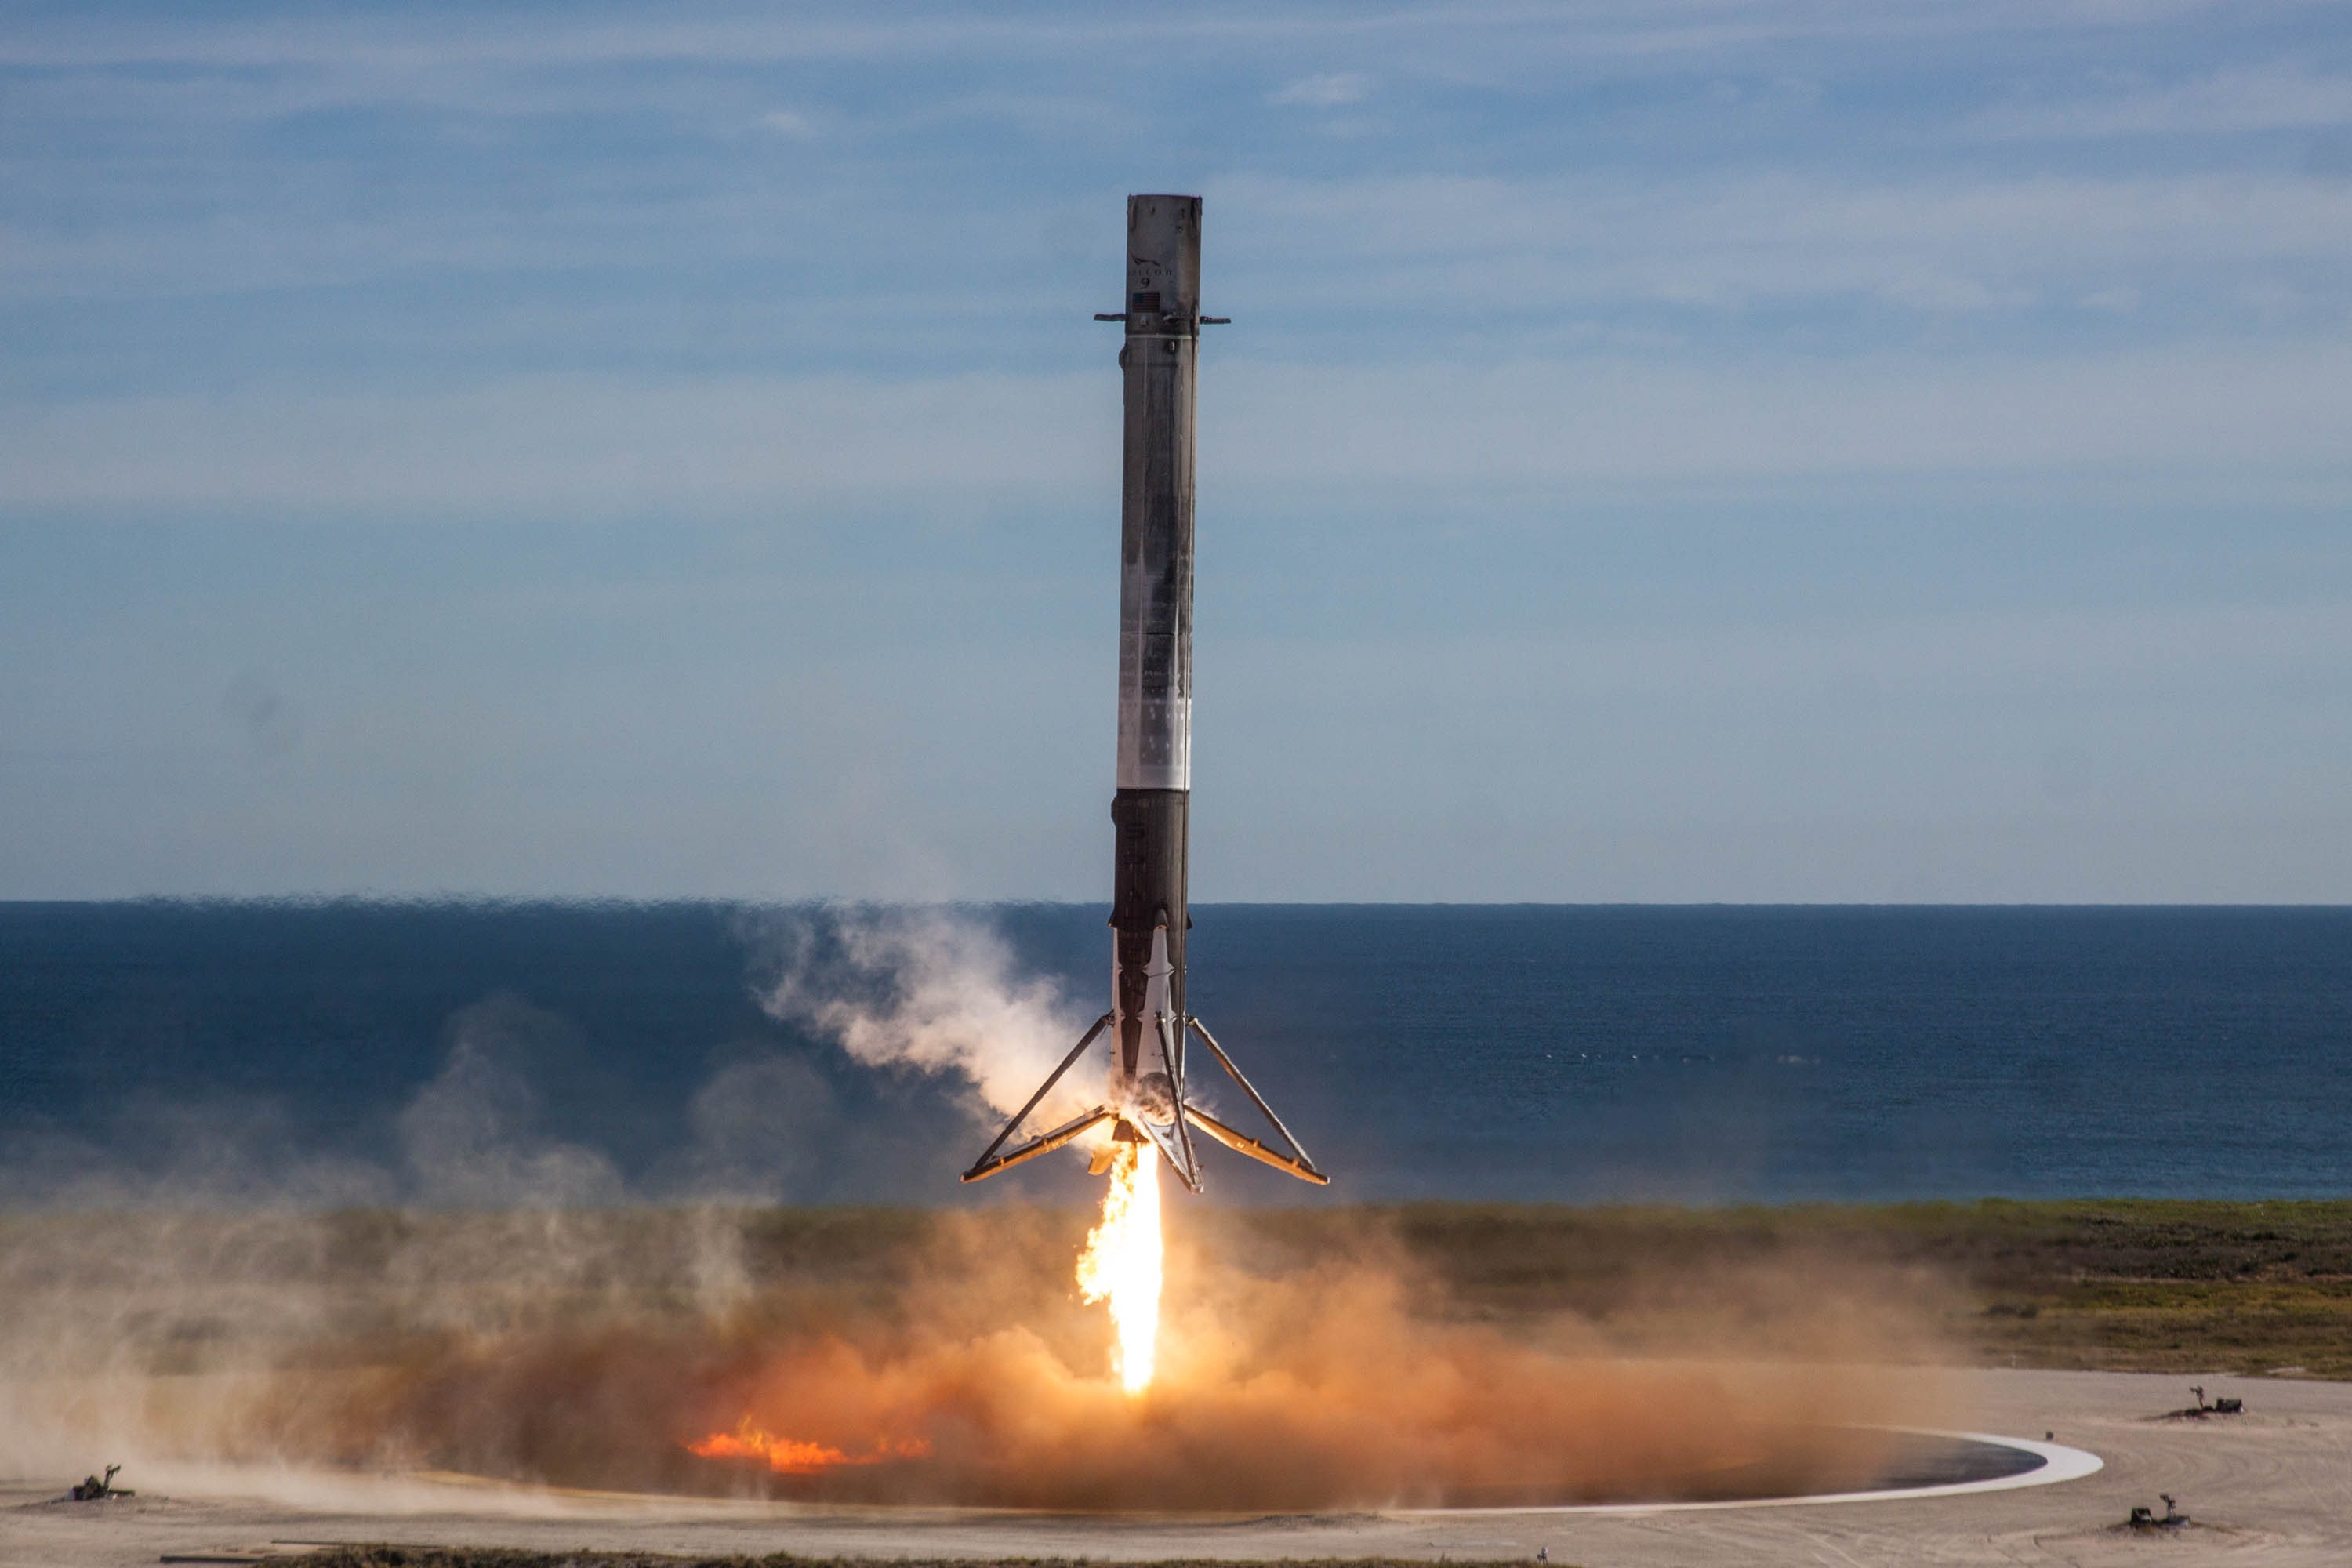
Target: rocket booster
(1145, 1088)
(1151, 814)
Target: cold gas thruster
(1145, 1097)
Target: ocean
(469, 1054)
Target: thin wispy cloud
(2272, 97)
(604, 34)
(1939, 244)
(1329, 89)
(2231, 421)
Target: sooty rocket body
(1146, 1096)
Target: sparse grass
(2123, 1284)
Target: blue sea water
(346, 1052)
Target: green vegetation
(2140, 1285)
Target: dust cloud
(504, 1303)
(1308, 1363)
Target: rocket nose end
(1163, 258)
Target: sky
(1750, 451)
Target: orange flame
(793, 1457)
(1121, 1262)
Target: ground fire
(792, 1456)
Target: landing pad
(1926, 1464)
(2265, 1487)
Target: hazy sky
(1665, 451)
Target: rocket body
(1145, 1097)
(1150, 813)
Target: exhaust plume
(1122, 1262)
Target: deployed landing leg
(1045, 1143)
(1165, 1119)
(1296, 1163)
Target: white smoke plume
(764, 1128)
(932, 992)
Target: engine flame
(1121, 1263)
(793, 1457)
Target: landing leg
(1303, 1167)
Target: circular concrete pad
(2266, 1486)
(1933, 1464)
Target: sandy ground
(2273, 1486)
